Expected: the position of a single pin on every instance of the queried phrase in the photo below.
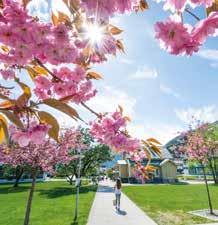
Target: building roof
(121, 162)
(165, 161)
(165, 154)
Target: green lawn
(169, 204)
(53, 204)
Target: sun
(94, 33)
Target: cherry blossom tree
(197, 148)
(93, 155)
(212, 137)
(60, 58)
(40, 157)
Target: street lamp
(77, 184)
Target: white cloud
(39, 8)
(126, 61)
(144, 73)
(204, 114)
(169, 91)
(116, 20)
(162, 132)
(214, 65)
(210, 54)
(106, 101)
(109, 99)
(66, 121)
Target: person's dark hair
(118, 184)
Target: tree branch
(49, 71)
(90, 110)
(192, 14)
(1, 86)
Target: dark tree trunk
(30, 198)
(212, 169)
(208, 191)
(70, 178)
(19, 173)
(215, 169)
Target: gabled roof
(165, 161)
(165, 154)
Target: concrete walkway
(209, 224)
(103, 212)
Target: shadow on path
(121, 212)
(105, 189)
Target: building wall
(168, 171)
(123, 171)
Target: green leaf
(153, 140)
(24, 98)
(13, 118)
(63, 107)
(49, 119)
(3, 130)
(213, 8)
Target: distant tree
(37, 157)
(198, 148)
(212, 137)
(11, 172)
(92, 157)
(110, 173)
(90, 163)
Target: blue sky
(158, 91)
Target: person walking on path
(117, 192)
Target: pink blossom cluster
(196, 147)
(5, 92)
(71, 140)
(42, 156)
(71, 83)
(138, 156)
(179, 5)
(110, 130)
(26, 38)
(7, 74)
(107, 46)
(138, 174)
(34, 134)
(178, 38)
(106, 8)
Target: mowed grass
(53, 204)
(169, 204)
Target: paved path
(104, 213)
(209, 224)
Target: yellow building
(166, 169)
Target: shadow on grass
(9, 190)
(180, 183)
(213, 185)
(64, 191)
(75, 223)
